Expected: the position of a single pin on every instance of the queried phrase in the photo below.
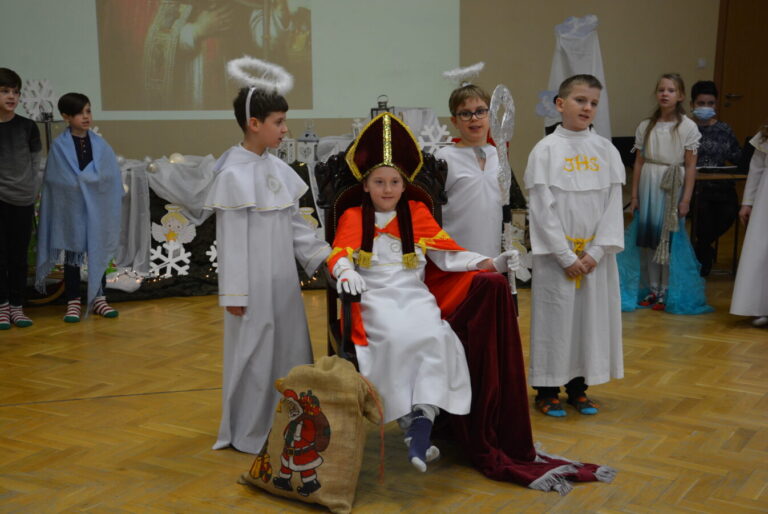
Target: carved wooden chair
(338, 190)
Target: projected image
(172, 54)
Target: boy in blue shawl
(80, 208)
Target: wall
(639, 41)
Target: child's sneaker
(73, 311)
(584, 405)
(18, 317)
(5, 316)
(661, 302)
(650, 299)
(102, 308)
(550, 407)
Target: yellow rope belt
(578, 249)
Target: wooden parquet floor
(119, 416)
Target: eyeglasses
(467, 115)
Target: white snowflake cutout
(213, 256)
(174, 260)
(37, 99)
(433, 137)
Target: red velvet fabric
(496, 434)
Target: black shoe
(282, 483)
(308, 488)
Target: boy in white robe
(473, 214)
(259, 231)
(574, 179)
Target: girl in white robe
(659, 268)
(750, 292)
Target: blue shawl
(79, 210)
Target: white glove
(507, 261)
(350, 282)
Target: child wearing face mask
(717, 202)
(658, 268)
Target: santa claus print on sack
(306, 435)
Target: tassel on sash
(410, 260)
(671, 183)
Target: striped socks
(73, 311)
(102, 308)
(18, 317)
(5, 316)
(13, 314)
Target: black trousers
(717, 205)
(15, 233)
(72, 282)
(575, 388)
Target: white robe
(413, 356)
(259, 231)
(574, 184)
(473, 213)
(577, 50)
(750, 291)
(666, 144)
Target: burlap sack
(315, 449)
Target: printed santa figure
(306, 434)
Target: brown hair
(764, 129)
(679, 109)
(403, 221)
(567, 85)
(464, 93)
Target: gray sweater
(20, 151)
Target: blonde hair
(679, 108)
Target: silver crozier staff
(502, 128)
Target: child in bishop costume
(409, 353)
(80, 209)
(574, 180)
(259, 231)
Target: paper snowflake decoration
(168, 260)
(37, 99)
(433, 137)
(213, 256)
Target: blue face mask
(704, 113)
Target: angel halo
(462, 75)
(271, 77)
